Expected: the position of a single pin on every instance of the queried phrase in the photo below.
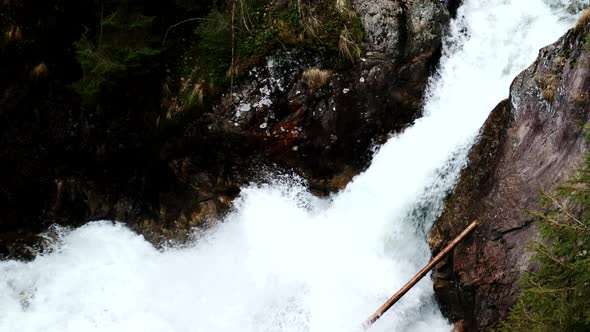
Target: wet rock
(453, 5)
(323, 131)
(528, 144)
(69, 165)
(384, 25)
(402, 29)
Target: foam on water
(285, 260)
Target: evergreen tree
(556, 296)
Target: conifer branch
(564, 210)
(543, 250)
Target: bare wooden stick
(392, 300)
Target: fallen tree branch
(397, 296)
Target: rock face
(65, 164)
(402, 29)
(529, 143)
(327, 131)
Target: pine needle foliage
(556, 296)
(121, 48)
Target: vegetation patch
(316, 78)
(13, 35)
(261, 27)
(584, 18)
(39, 72)
(582, 97)
(549, 85)
(556, 296)
(123, 44)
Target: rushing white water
(285, 260)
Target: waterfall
(284, 260)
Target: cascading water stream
(285, 260)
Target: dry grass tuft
(13, 35)
(343, 7)
(347, 46)
(316, 78)
(39, 72)
(311, 25)
(582, 97)
(190, 96)
(196, 94)
(549, 86)
(549, 94)
(584, 18)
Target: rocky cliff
(326, 130)
(122, 111)
(530, 142)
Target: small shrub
(316, 78)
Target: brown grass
(549, 86)
(343, 7)
(13, 35)
(549, 94)
(582, 97)
(311, 25)
(310, 22)
(584, 18)
(196, 94)
(39, 72)
(347, 46)
(316, 78)
(189, 96)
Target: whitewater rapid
(285, 260)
